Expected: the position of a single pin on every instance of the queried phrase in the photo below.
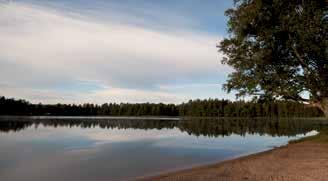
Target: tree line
(195, 108)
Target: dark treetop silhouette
(279, 49)
(201, 108)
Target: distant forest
(197, 108)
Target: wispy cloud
(42, 50)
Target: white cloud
(42, 49)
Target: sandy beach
(303, 161)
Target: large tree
(279, 49)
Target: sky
(101, 51)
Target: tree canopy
(278, 49)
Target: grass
(322, 137)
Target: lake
(111, 148)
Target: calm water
(105, 148)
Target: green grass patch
(321, 137)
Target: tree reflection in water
(209, 127)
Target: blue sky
(112, 51)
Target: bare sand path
(304, 161)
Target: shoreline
(305, 159)
(202, 165)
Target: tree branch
(298, 56)
(298, 98)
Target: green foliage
(194, 108)
(278, 49)
(225, 108)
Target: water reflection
(193, 126)
(60, 148)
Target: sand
(304, 161)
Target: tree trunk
(323, 105)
